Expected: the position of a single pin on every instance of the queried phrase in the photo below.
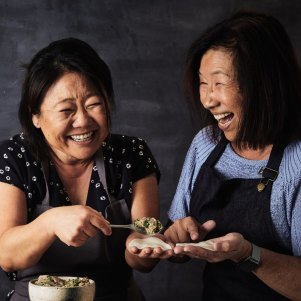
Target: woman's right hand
(187, 230)
(74, 225)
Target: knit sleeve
(296, 223)
(180, 205)
(198, 152)
(286, 199)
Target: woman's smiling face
(73, 118)
(219, 91)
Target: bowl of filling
(61, 288)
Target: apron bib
(237, 206)
(101, 258)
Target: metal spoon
(130, 226)
(133, 227)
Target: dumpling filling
(149, 224)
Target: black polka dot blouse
(127, 159)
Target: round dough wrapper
(150, 242)
(208, 244)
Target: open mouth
(224, 119)
(82, 137)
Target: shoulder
(125, 146)
(16, 158)
(11, 142)
(204, 136)
(291, 161)
(202, 144)
(17, 165)
(294, 150)
(14, 148)
(129, 154)
(199, 150)
(117, 141)
(289, 177)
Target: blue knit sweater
(286, 192)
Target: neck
(253, 154)
(72, 169)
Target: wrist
(245, 252)
(252, 262)
(47, 222)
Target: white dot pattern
(127, 159)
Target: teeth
(82, 137)
(220, 116)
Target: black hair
(47, 66)
(267, 72)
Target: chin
(84, 154)
(230, 137)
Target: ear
(36, 120)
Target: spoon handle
(130, 226)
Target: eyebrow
(216, 73)
(72, 99)
(64, 100)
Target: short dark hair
(267, 72)
(47, 66)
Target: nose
(81, 118)
(208, 98)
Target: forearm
(22, 246)
(282, 273)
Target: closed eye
(95, 104)
(66, 110)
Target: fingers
(208, 226)
(231, 246)
(98, 221)
(192, 227)
(184, 230)
(154, 253)
(78, 240)
(90, 231)
(92, 221)
(73, 225)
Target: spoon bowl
(145, 225)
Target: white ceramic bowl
(55, 293)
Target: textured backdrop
(144, 43)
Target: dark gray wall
(144, 43)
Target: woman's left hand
(148, 252)
(232, 246)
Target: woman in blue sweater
(240, 185)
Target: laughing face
(73, 119)
(219, 91)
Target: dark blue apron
(101, 258)
(237, 206)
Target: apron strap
(99, 161)
(269, 173)
(45, 169)
(217, 151)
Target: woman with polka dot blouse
(66, 177)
